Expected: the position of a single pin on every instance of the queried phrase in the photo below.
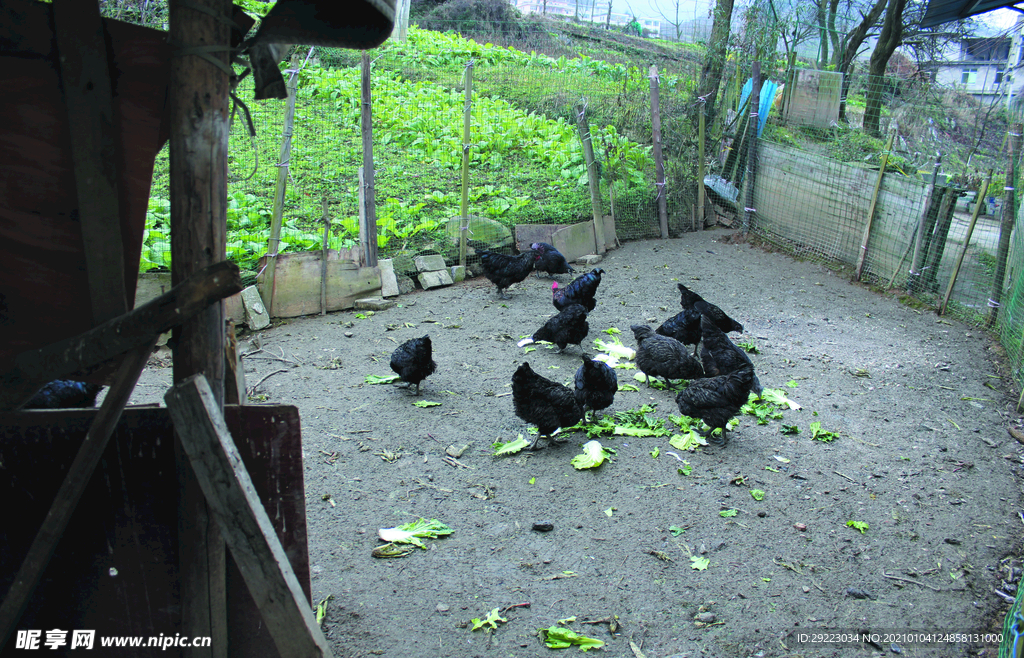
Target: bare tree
(714, 61)
(676, 22)
(854, 40)
(888, 40)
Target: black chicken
(504, 270)
(549, 259)
(720, 356)
(413, 361)
(690, 299)
(580, 291)
(64, 394)
(683, 326)
(596, 385)
(716, 399)
(568, 327)
(662, 356)
(544, 403)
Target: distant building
(589, 12)
(986, 68)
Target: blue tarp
(768, 89)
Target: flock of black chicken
(720, 381)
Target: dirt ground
(923, 457)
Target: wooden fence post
(922, 223)
(370, 197)
(659, 161)
(751, 176)
(464, 207)
(982, 191)
(874, 202)
(595, 184)
(1009, 216)
(323, 258)
(274, 243)
(701, 167)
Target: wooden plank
(369, 198)
(243, 521)
(234, 372)
(297, 285)
(85, 79)
(71, 489)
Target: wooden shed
(147, 522)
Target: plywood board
(297, 283)
(814, 99)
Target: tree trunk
(888, 40)
(854, 39)
(711, 72)
(833, 35)
(822, 35)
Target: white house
(988, 68)
(589, 11)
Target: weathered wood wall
(820, 205)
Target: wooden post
(787, 93)
(199, 127)
(982, 191)
(659, 161)
(1009, 216)
(595, 184)
(464, 208)
(872, 205)
(323, 258)
(919, 244)
(937, 243)
(751, 177)
(274, 243)
(366, 120)
(701, 167)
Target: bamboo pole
(274, 243)
(369, 199)
(701, 167)
(751, 176)
(323, 258)
(1009, 216)
(982, 191)
(937, 243)
(873, 204)
(899, 265)
(464, 207)
(659, 161)
(595, 184)
(919, 243)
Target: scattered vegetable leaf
(608, 512)
(676, 530)
(818, 434)
(556, 637)
(685, 469)
(728, 513)
(749, 347)
(510, 447)
(858, 525)
(611, 331)
(533, 480)
(757, 494)
(792, 384)
(321, 610)
(615, 348)
(426, 403)
(593, 455)
(381, 379)
(414, 532)
(790, 429)
(699, 563)
(778, 396)
(655, 452)
(628, 387)
(490, 621)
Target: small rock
(762, 514)
(442, 607)
(705, 617)
(428, 263)
(806, 589)
(950, 540)
(590, 259)
(858, 593)
(800, 526)
(349, 334)
(373, 304)
(543, 526)
(895, 648)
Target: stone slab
(388, 280)
(374, 303)
(256, 315)
(590, 260)
(575, 241)
(429, 263)
(435, 279)
(405, 285)
(458, 273)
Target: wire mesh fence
(817, 170)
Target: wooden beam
(243, 521)
(754, 122)
(114, 337)
(595, 182)
(85, 78)
(71, 489)
(871, 208)
(370, 198)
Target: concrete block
(256, 315)
(405, 285)
(435, 279)
(575, 241)
(403, 263)
(611, 240)
(481, 229)
(527, 234)
(429, 263)
(590, 260)
(458, 273)
(388, 280)
(374, 303)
